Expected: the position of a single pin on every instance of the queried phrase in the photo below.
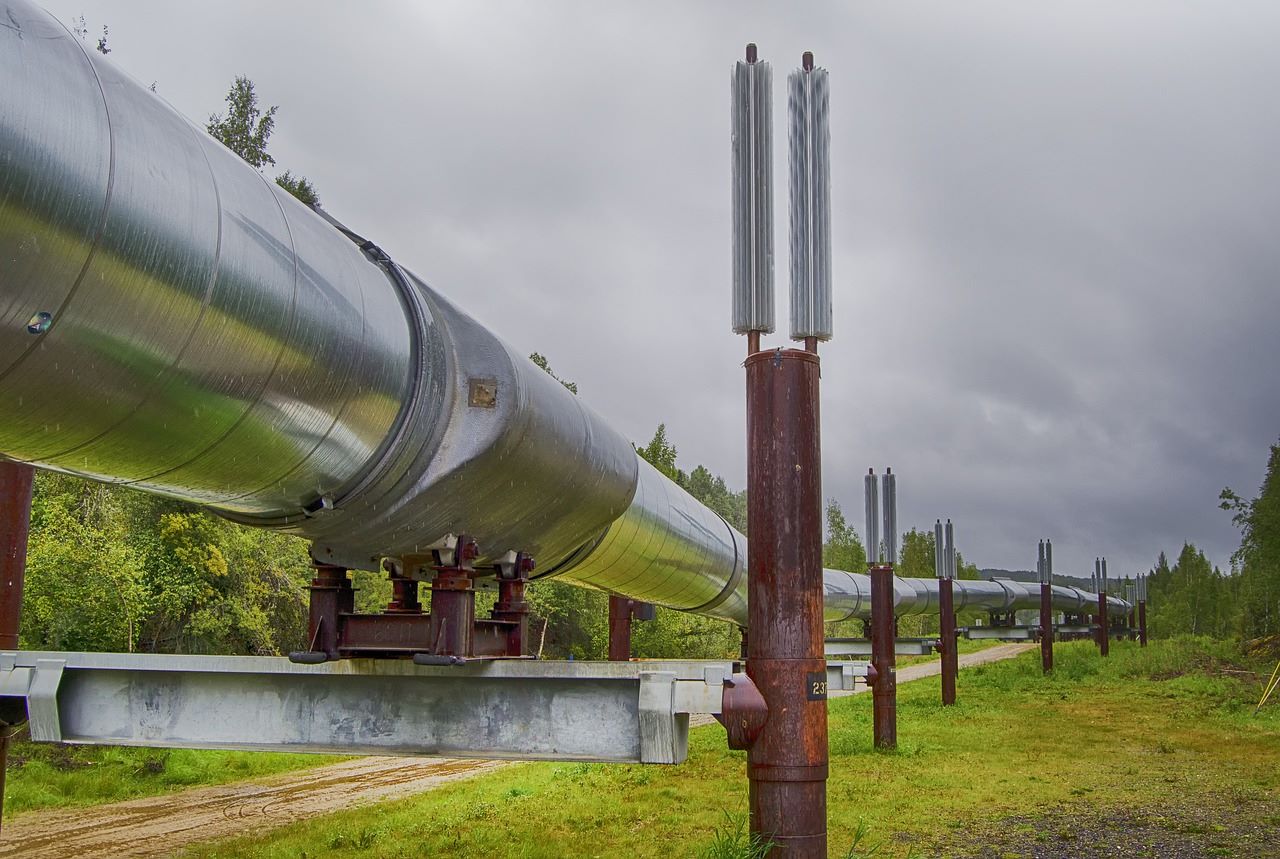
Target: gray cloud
(1054, 227)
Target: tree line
(1193, 596)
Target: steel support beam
(836, 647)
(1142, 622)
(505, 709)
(787, 762)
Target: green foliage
(661, 454)
(915, 559)
(1191, 598)
(734, 841)
(299, 187)
(843, 549)
(84, 585)
(568, 621)
(1257, 561)
(112, 569)
(245, 129)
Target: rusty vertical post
(883, 658)
(881, 542)
(787, 763)
(1046, 606)
(512, 606)
(404, 590)
(1142, 610)
(619, 628)
(331, 597)
(947, 627)
(16, 482)
(453, 602)
(944, 569)
(1104, 631)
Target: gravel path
(1207, 827)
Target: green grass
(49, 775)
(1145, 727)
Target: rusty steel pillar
(16, 483)
(947, 635)
(331, 597)
(513, 607)
(619, 628)
(1104, 630)
(787, 762)
(1046, 628)
(453, 603)
(1142, 623)
(404, 590)
(883, 658)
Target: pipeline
(173, 321)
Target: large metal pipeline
(172, 320)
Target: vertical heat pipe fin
(810, 172)
(890, 516)
(939, 560)
(871, 506)
(752, 115)
(951, 550)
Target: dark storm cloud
(1054, 227)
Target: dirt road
(160, 825)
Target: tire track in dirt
(161, 825)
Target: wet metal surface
(787, 763)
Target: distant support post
(944, 567)
(1142, 611)
(1046, 605)
(1104, 631)
(881, 555)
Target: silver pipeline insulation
(173, 321)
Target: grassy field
(1024, 758)
(47, 775)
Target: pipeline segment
(173, 321)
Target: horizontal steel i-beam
(506, 709)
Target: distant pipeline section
(173, 321)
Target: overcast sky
(1055, 226)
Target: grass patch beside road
(1163, 727)
(49, 775)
